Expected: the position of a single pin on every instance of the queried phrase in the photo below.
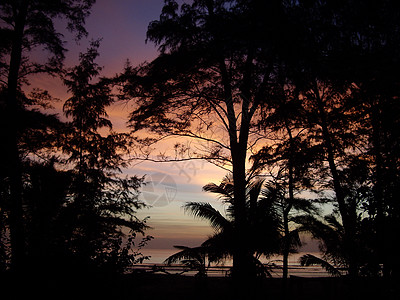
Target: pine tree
(26, 26)
(100, 202)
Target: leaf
(205, 211)
(311, 260)
(187, 253)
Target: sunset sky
(122, 25)
(244, 139)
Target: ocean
(158, 257)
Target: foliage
(37, 20)
(122, 254)
(261, 232)
(335, 257)
(315, 112)
(100, 202)
(310, 260)
(193, 258)
(28, 26)
(307, 89)
(208, 84)
(77, 206)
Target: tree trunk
(238, 144)
(286, 244)
(347, 220)
(378, 190)
(238, 155)
(240, 257)
(13, 155)
(285, 254)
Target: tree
(325, 90)
(290, 158)
(345, 68)
(286, 210)
(376, 101)
(335, 259)
(213, 74)
(100, 202)
(26, 26)
(195, 258)
(262, 237)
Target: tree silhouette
(287, 209)
(291, 159)
(208, 84)
(374, 74)
(351, 87)
(318, 74)
(327, 71)
(262, 229)
(194, 258)
(100, 201)
(335, 256)
(45, 190)
(78, 210)
(26, 26)
(331, 232)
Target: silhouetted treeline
(303, 93)
(64, 206)
(308, 91)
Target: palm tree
(335, 255)
(361, 259)
(194, 258)
(262, 230)
(287, 206)
(330, 233)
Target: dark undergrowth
(150, 286)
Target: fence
(223, 271)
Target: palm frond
(219, 246)
(225, 191)
(294, 239)
(311, 260)
(317, 228)
(186, 253)
(253, 194)
(133, 224)
(262, 270)
(254, 189)
(272, 193)
(205, 211)
(333, 221)
(305, 205)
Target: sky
(122, 26)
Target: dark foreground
(150, 286)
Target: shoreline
(222, 270)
